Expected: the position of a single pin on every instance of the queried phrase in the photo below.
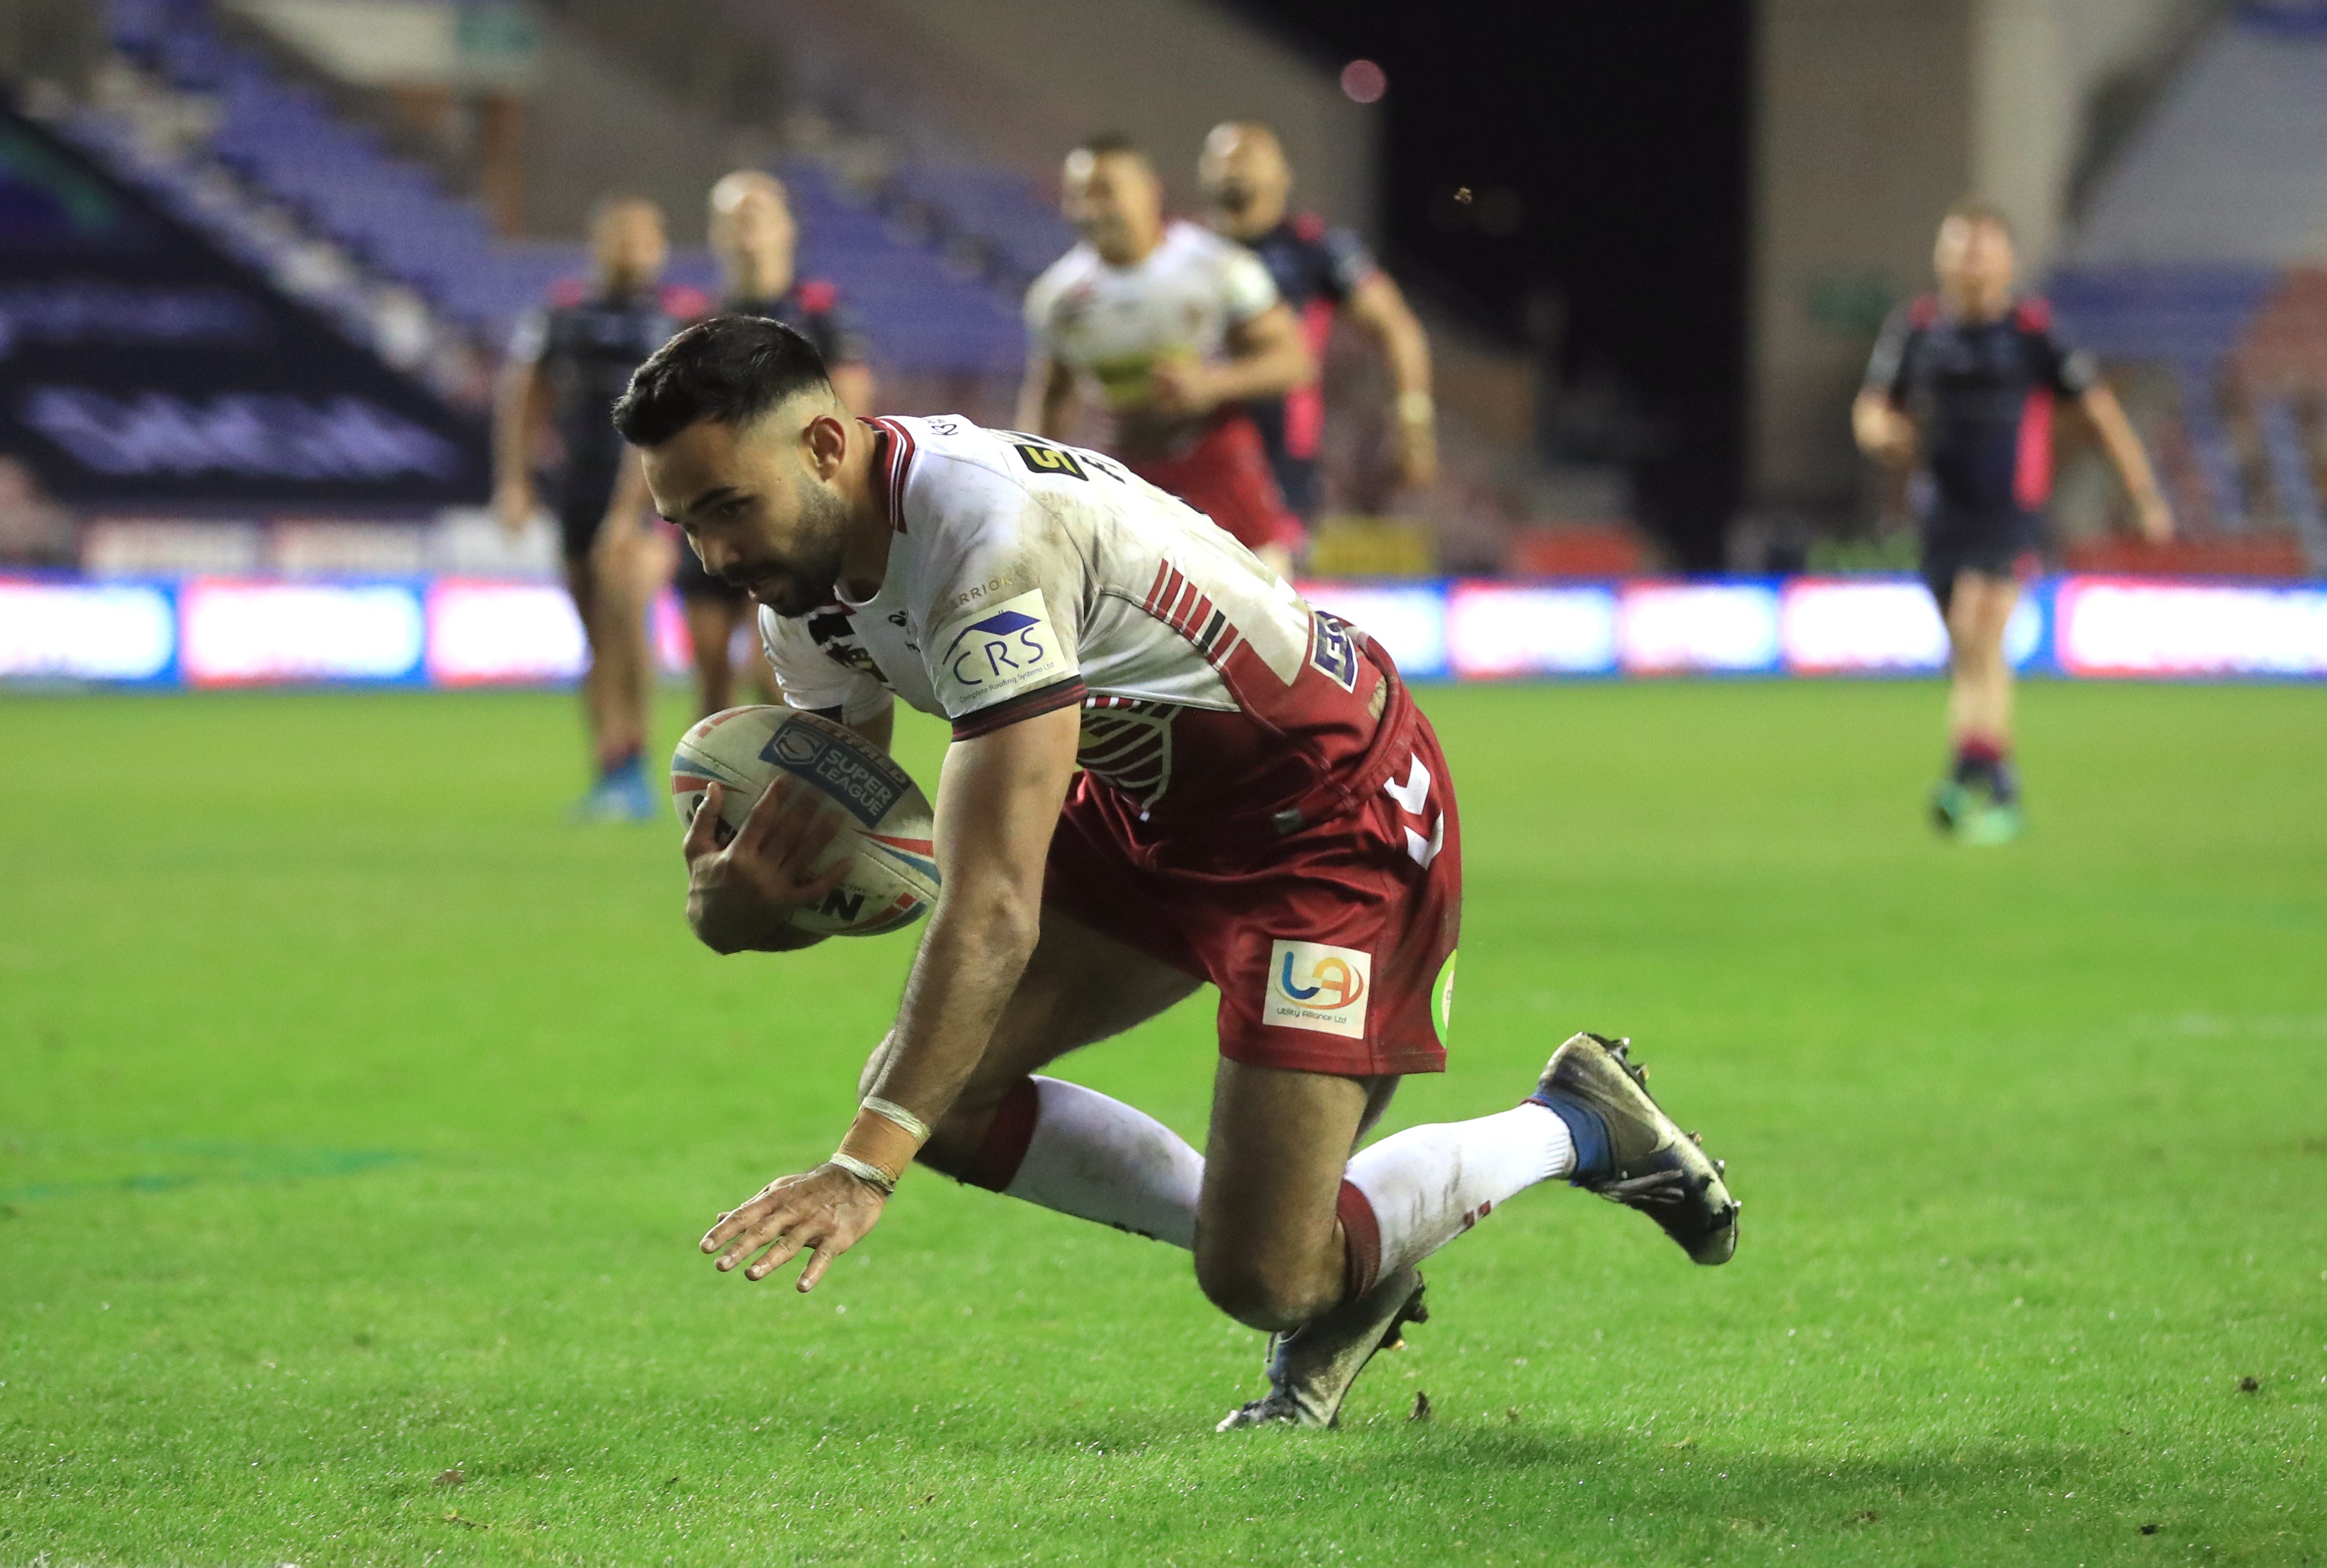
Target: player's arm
(997, 802)
(2130, 461)
(1044, 395)
(629, 505)
(520, 404)
(1883, 429)
(1379, 311)
(1267, 358)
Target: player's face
(1243, 171)
(627, 242)
(1974, 264)
(757, 222)
(754, 510)
(1112, 201)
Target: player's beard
(811, 580)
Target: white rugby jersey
(1025, 577)
(1114, 323)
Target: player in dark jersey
(1321, 273)
(754, 235)
(1963, 385)
(568, 363)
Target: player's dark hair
(1979, 210)
(729, 370)
(1111, 143)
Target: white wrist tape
(866, 1172)
(898, 1114)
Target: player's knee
(1262, 1292)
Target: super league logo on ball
(866, 785)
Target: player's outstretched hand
(824, 1213)
(740, 895)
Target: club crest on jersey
(1333, 650)
(1010, 648)
(1312, 985)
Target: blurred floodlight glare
(1364, 82)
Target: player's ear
(827, 436)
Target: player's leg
(1980, 698)
(711, 620)
(633, 563)
(580, 511)
(1057, 1145)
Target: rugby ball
(886, 819)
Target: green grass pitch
(358, 1119)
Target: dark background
(1618, 134)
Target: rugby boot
(1952, 805)
(1311, 1368)
(1990, 825)
(1629, 1151)
(620, 795)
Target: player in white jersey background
(1280, 822)
(1171, 331)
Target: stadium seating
(288, 155)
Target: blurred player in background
(1165, 767)
(754, 236)
(1962, 386)
(568, 363)
(1320, 273)
(1177, 330)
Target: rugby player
(1259, 803)
(567, 363)
(1963, 385)
(1176, 331)
(754, 236)
(1321, 273)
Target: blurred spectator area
(2164, 163)
(422, 169)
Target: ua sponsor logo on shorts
(1314, 986)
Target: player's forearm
(1380, 313)
(515, 402)
(1043, 398)
(2127, 453)
(1270, 370)
(979, 940)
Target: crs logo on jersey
(1010, 648)
(1312, 985)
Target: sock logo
(1312, 985)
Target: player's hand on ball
(1182, 389)
(740, 895)
(823, 1212)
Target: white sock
(1098, 1158)
(1428, 1185)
